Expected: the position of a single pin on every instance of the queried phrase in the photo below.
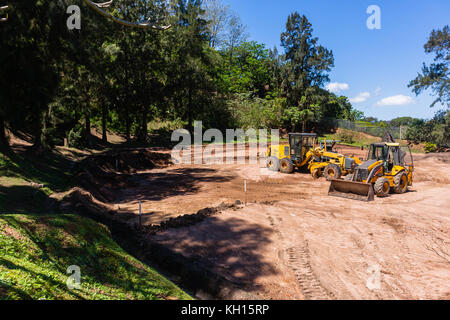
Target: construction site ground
(286, 239)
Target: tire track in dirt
(274, 224)
(299, 262)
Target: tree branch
(144, 24)
(6, 18)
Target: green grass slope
(36, 251)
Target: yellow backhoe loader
(303, 150)
(330, 164)
(389, 167)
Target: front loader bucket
(351, 190)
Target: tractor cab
(300, 144)
(328, 145)
(392, 154)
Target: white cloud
(362, 97)
(378, 91)
(336, 87)
(398, 100)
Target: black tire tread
(337, 172)
(290, 166)
(378, 187)
(275, 160)
(397, 180)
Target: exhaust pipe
(351, 190)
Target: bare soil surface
(285, 238)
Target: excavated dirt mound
(432, 167)
(103, 175)
(126, 161)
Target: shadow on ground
(155, 186)
(230, 249)
(25, 200)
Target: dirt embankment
(291, 241)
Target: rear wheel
(332, 171)
(401, 183)
(286, 166)
(316, 173)
(273, 164)
(382, 187)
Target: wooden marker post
(245, 191)
(140, 214)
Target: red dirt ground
(292, 241)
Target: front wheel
(273, 164)
(332, 171)
(316, 173)
(286, 166)
(401, 183)
(382, 187)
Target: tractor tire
(273, 164)
(332, 171)
(286, 166)
(401, 183)
(382, 187)
(316, 174)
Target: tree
(237, 33)
(307, 66)
(401, 121)
(31, 51)
(217, 15)
(191, 71)
(249, 69)
(436, 76)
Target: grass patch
(27, 181)
(36, 251)
(49, 169)
(351, 138)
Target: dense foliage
(58, 83)
(436, 75)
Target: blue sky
(376, 65)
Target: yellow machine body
(386, 169)
(303, 150)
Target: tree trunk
(144, 128)
(304, 126)
(4, 145)
(190, 115)
(38, 137)
(104, 115)
(127, 126)
(231, 59)
(88, 128)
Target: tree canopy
(436, 76)
(57, 83)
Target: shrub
(430, 147)
(76, 137)
(346, 137)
